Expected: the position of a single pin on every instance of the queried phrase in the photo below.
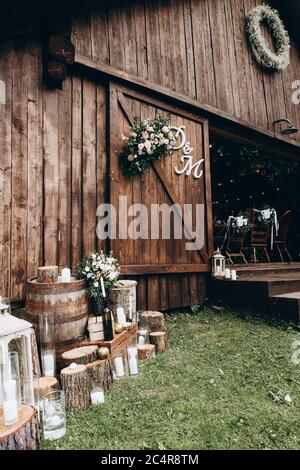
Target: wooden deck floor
(264, 287)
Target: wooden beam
(141, 270)
(219, 117)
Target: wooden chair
(258, 240)
(219, 234)
(235, 247)
(281, 240)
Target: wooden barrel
(69, 304)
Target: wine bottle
(106, 316)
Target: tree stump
(158, 338)
(44, 385)
(146, 352)
(100, 374)
(47, 274)
(82, 355)
(75, 384)
(24, 435)
(152, 321)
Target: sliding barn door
(168, 275)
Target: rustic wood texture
(17, 345)
(152, 321)
(146, 352)
(159, 339)
(198, 64)
(120, 339)
(54, 163)
(44, 385)
(100, 374)
(47, 274)
(69, 304)
(24, 435)
(75, 385)
(81, 355)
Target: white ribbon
(275, 223)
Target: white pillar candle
(233, 275)
(97, 396)
(10, 411)
(10, 404)
(121, 316)
(119, 367)
(227, 273)
(48, 362)
(141, 340)
(132, 359)
(102, 287)
(66, 275)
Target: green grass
(220, 385)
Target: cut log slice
(24, 435)
(82, 355)
(47, 274)
(75, 384)
(100, 374)
(44, 385)
(152, 321)
(158, 338)
(146, 352)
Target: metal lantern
(218, 264)
(12, 328)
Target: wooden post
(146, 352)
(75, 384)
(100, 374)
(82, 355)
(158, 338)
(23, 435)
(47, 274)
(152, 321)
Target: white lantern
(218, 265)
(12, 328)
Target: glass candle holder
(120, 367)
(54, 415)
(97, 395)
(47, 343)
(11, 371)
(142, 337)
(10, 402)
(132, 357)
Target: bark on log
(16, 345)
(47, 274)
(146, 352)
(100, 374)
(75, 384)
(44, 385)
(152, 321)
(158, 338)
(24, 435)
(82, 355)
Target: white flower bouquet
(95, 266)
(147, 141)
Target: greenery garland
(147, 141)
(264, 13)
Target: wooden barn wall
(52, 167)
(195, 47)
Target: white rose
(96, 284)
(112, 276)
(165, 129)
(166, 141)
(141, 146)
(147, 144)
(87, 269)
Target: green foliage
(223, 383)
(147, 141)
(95, 266)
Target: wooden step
(263, 269)
(287, 306)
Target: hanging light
(290, 129)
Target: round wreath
(147, 141)
(278, 60)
